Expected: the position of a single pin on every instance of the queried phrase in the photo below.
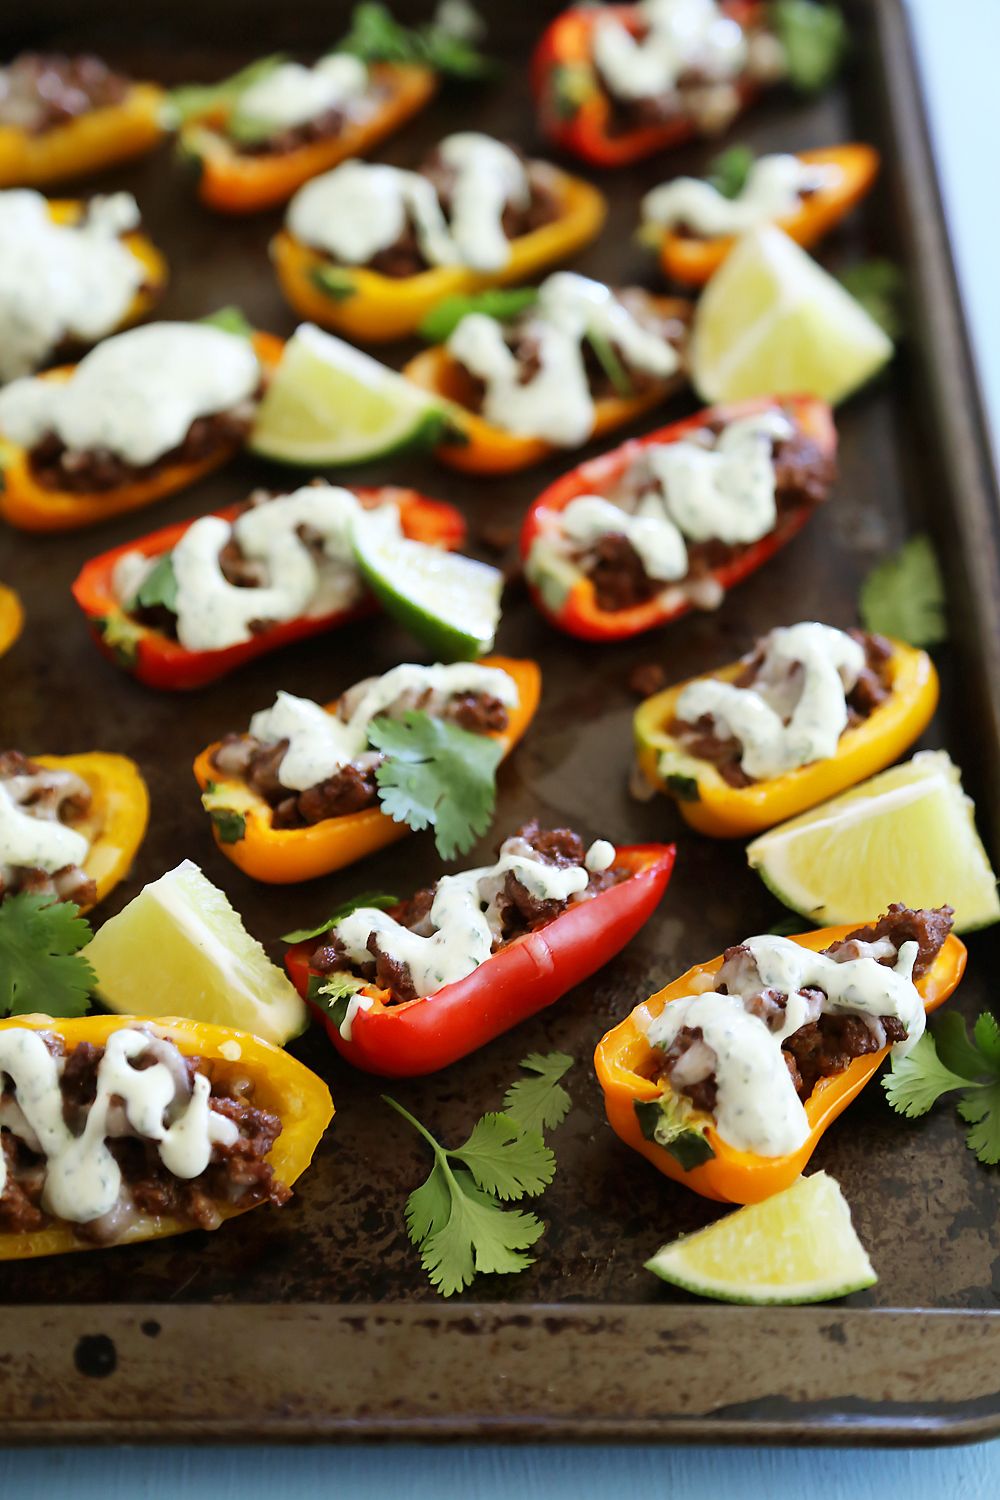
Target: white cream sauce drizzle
(293, 95)
(83, 1181)
(137, 393)
(757, 1108)
(62, 281)
(796, 710)
(319, 742)
(556, 403)
(772, 191)
(39, 843)
(684, 35)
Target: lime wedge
(772, 320)
(906, 835)
(179, 949)
(450, 602)
(328, 404)
(799, 1246)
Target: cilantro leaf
(954, 1048)
(479, 1236)
(205, 98)
(40, 967)
(367, 898)
(987, 1034)
(918, 1080)
(428, 1206)
(333, 282)
(335, 994)
(729, 171)
(502, 303)
(878, 285)
(505, 1159)
(904, 596)
(540, 1103)
(980, 1106)
(612, 366)
(230, 319)
(437, 774)
(376, 36)
(667, 1121)
(788, 927)
(814, 38)
(159, 587)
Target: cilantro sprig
(366, 898)
(728, 172)
(815, 39)
(40, 965)
(904, 596)
(945, 1059)
(376, 36)
(540, 1103)
(437, 775)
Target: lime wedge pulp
(450, 602)
(772, 320)
(329, 404)
(905, 835)
(179, 949)
(799, 1246)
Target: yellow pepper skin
(283, 856)
(714, 807)
(119, 813)
(71, 210)
(375, 308)
(283, 1087)
(95, 139)
(11, 618)
(625, 1063)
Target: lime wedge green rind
(799, 1246)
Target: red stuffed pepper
(554, 914)
(697, 507)
(134, 599)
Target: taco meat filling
(41, 90)
(52, 795)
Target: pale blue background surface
(959, 48)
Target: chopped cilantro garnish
(904, 596)
(879, 286)
(668, 1122)
(502, 303)
(376, 36)
(814, 38)
(159, 587)
(40, 966)
(728, 172)
(437, 774)
(918, 1080)
(540, 1103)
(367, 898)
(334, 994)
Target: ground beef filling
(828, 1045)
(39, 90)
(237, 1174)
(520, 912)
(351, 788)
(873, 687)
(45, 794)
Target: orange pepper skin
(375, 308)
(576, 610)
(283, 856)
(11, 618)
(421, 1036)
(159, 662)
(93, 140)
(33, 507)
(690, 260)
(491, 450)
(573, 107)
(282, 1086)
(241, 182)
(724, 811)
(118, 816)
(624, 1055)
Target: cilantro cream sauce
(770, 192)
(35, 842)
(293, 95)
(684, 35)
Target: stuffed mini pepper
(70, 825)
(669, 522)
(11, 618)
(66, 116)
(369, 249)
(808, 712)
(117, 1130)
(580, 360)
(188, 603)
(694, 222)
(146, 413)
(408, 990)
(311, 789)
(71, 272)
(727, 1079)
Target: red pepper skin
(579, 613)
(162, 663)
(421, 1036)
(565, 47)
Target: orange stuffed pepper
(11, 618)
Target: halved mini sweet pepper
(421, 1036)
(95, 139)
(243, 182)
(72, 210)
(563, 592)
(241, 819)
(576, 111)
(363, 304)
(712, 806)
(690, 259)
(485, 449)
(11, 618)
(625, 1062)
(282, 1086)
(34, 507)
(118, 815)
(153, 658)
